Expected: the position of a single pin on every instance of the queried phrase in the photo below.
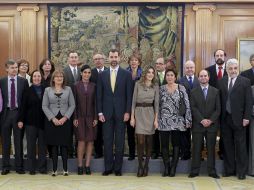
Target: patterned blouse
(169, 118)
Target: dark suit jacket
(249, 74)
(31, 111)
(202, 108)
(85, 101)
(22, 84)
(213, 75)
(240, 99)
(116, 103)
(94, 76)
(184, 81)
(69, 78)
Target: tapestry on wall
(152, 31)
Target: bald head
(189, 68)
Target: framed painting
(245, 47)
(153, 30)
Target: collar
(71, 67)
(102, 69)
(202, 87)
(15, 78)
(116, 68)
(223, 66)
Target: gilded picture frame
(245, 47)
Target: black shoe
(107, 172)
(192, 175)
(241, 177)
(228, 174)
(43, 172)
(32, 173)
(80, 170)
(88, 170)
(214, 175)
(118, 173)
(131, 158)
(5, 172)
(155, 156)
(20, 171)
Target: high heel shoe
(54, 174)
(65, 173)
(140, 171)
(145, 172)
(80, 170)
(88, 170)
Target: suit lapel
(118, 78)
(201, 94)
(107, 74)
(70, 73)
(237, 83)
(18, 90)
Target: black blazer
(119, 102)
(202, 108)
(94, 76)
(213, 75)
(184, 81)
(22, 84)
(69, 78)
(31, 111)
(249, 74)
(240, 99)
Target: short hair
(137, 56)
(232, 61)
(43, 62)
(218, 50)
(59, 72)
(31, 78)
(9, 62)
(114, 50)
(20, 61)
(251, 57)
(208, 73)
(170, 70)
(72, 51)
(84, 67)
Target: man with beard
(114, 96)
(217, 71)
(236, 101)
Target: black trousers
(98, 143)
(197, 147)
(113, 134)
(235, 152)
(9, 124)
(35, 136)
(156, 143)
(186, 143)
(64, 154)
(131, 139)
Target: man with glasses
(98, 60)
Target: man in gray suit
(205, 107)
(71, 76)
(12, 88)
(189, 81)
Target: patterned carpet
(126, 182)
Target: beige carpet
(126, 182)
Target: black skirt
(58, 135)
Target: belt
(144, 104)
(11, 109)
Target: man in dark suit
(71, 76)
(205, 107)
(189, 81)
(250, 72)
(12, 88)
(113, 107)
(98, 60)
(236, 100)
(217, 71)
(160, 66)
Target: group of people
(97, 105)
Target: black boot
(146, 168)
(174, 161)
(140, 169)
(166, 162)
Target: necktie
(219, 76)
(113, 80)
(100, 70)
(205, 92)
(13, 103)
(75, 74)
(190, 82)
(228, 104)
(161, 77)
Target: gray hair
(232, 61)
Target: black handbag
(182, 106)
